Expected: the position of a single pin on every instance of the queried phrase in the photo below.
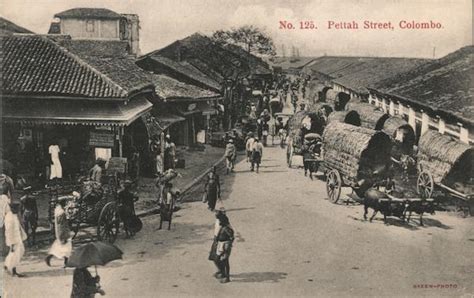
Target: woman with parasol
(90, 254)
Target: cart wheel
(425, 185)
(108, 224)
(333, 185)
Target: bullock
(419, 207)
(380, 202)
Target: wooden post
(412, 118)
(120, 135)
(162, 144)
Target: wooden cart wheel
(108, 224)
(425, 185)
(333, 185)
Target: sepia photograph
(245, 148)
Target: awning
(59, 112)
(155, 124)
(206, 109)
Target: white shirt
(4, 208)
(249, 144)
(54, 151)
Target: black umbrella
(94, 253)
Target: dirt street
(290, 241)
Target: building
(348, 77)
(187, 109)
(53, 92)
(436, 95)
(99, 24)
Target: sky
(164, 21)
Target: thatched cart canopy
(331, 95)
(321, 107)
(351, 117)
(447, 159)
(356, 152)
(401, 133)
(315, 89)
(370, 116)
(296, 121)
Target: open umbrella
(94, 253)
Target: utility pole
(434, 52)
(283, 51)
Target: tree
(250, 38)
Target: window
(90, 25)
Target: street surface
(290, 241)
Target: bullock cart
(352, 153)
(299, 125)
(447, 165)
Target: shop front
(83, 131)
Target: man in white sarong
(62, 246)
(14, 235)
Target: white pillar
(391, 108)
(370, 98)
(463, 134)
(441, 125)
(411, 118)
(400, 109)
(384, 105)
(425, 122)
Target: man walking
(248, 146)
(257, 152)
(230, 155)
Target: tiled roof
(185, 70)
(257, 65)
(357, 73)
(9, 28)
(36, 65)
(93, 13)
(444, 84)
(104, 48)
(213, 57)
(168, 88)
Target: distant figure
(213, 253)
(248, 146)
(84, 285)
(170, 153)
(126, 201)
(15, 235)
(56, 171)
(225, 238)
(230, 155)
(62, 246)
(167, 205)
(29, 214)
(212, 189)
(134, 168)
(257, 152)
(95, 173)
